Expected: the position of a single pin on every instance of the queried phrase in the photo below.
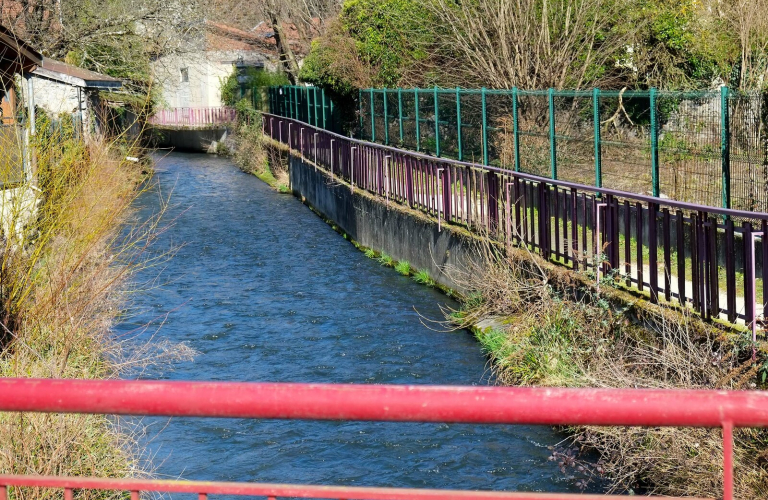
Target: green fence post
(322, 97)
(386, 119)
(333, 117)
(309, 116)
(725, 146)
(654, 145)
(373, 120)
(516, 128)
(296, 102)
(315, 108)
(552, 142)
(458, 122)
(437, 124)
(418, 125)
(400, 111)
(485, 127)
(360, 105)
(598, 146)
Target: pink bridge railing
(477, 405)
(193, 117)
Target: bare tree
(295, 23)
(530, 43)
(116, 37)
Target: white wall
(55, 97)
(206, 71)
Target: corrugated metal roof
(63, 72)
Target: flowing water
(264, 290)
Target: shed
(61, 88)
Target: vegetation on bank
(537, 44)
(254, 156)
(67, 250)
(543, 336)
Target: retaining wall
(400, 232)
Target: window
(184, 75)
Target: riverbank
(542, 325)
(265, 290)
(63, 275)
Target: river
(264, 290)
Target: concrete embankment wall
(400, 232)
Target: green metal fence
(308, 104)
(709, 148)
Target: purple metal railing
(637, 233)
(193, 117)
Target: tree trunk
(287, 58)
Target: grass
(422, 277)
(386, 260)
(64, 270)
(403, 267)
(253, 156)
(370, 253)
(543, 336)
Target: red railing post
(727, 460)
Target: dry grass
(253, 156)
(548, 337)
(62, 271)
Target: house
(17, 58)
(62, 89)
(193, 79)
(18, 198)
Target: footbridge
(192, 129)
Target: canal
(264, 290)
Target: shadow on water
(266, 291)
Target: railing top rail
(744, 214)
(682, 94)
(283, 490)
(396, 403)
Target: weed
(386, 260)
(370, 253)
(424, 278)
(403, 267)
(63, 269)
(546, 337)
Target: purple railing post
(315, 141)
(352, 152)
(442, 202)
(331, 151)
(493, 202)
(599, 251)
(753, 297)
(386, 177)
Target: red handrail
(272, 491)
(194, 117)
(401, 403)
(482, 405)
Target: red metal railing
(675, 251)
(193, 117)
(484, 405)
